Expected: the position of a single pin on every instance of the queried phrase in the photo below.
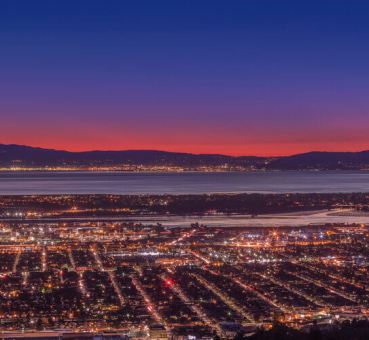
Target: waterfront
(304, 218)
(181, 266)
(32, 183)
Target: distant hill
(19, 155)
(11, 155)
(323, 160)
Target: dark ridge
(323, 161)
(11, 155)
(20, 155)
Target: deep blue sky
(237, 77)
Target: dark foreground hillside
(355, 330)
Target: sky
(250, 77)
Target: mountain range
(25, 156)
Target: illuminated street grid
(143, 280)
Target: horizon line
(179, 152)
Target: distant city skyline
(259, 78)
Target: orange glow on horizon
(258, 142)
(187, 137)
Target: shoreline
(303, 218)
